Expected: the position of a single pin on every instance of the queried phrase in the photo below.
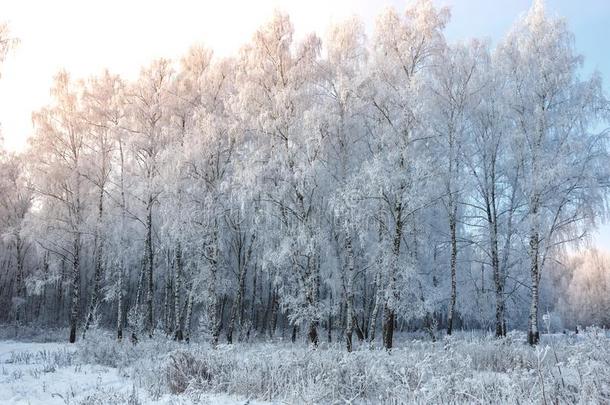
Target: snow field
(467, 368)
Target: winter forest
(256, 218)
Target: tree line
(347, 184)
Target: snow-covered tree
(342, 112)
(349, 182)
(399, 172)
(147, 120)
(553, 112)
(57, 165)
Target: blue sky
(589, 20)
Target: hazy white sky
(84, 36)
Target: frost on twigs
(183, 369)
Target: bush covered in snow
(468, 367)
(464, 368)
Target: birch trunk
(241, 285)
(119, 317)
(253, 311)
(312, 299)
(213, 289)
(119, 321)
(20, 285)
(374, 313)
(187, 316)
(349, 304)
(167, 319)
(76, 245)
(178, 333)
(99, 254)
(389, 315)
(498, 281)
(274, 309)
(75, 287)
(453, 298)
(149, 269)
(533, 335)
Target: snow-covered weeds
(468, 368)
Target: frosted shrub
(104, 397)
(465, 368)
(461, 369)
(97, 350)
(184, 369)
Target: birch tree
(553, 111)
(275, 92)
(100, 115)
(209, 151)
(15, 203)
(147, 120)
(403, 49)
(453, 93)
(57, 158)
(343, 76)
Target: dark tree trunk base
(313, 334)
(388, 328)
(348, 341)
(533, 338)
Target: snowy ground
(52, 373)
(468, 368)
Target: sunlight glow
(123, 36)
